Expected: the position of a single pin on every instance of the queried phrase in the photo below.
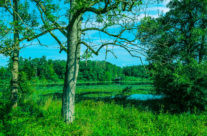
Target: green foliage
(54, 70)
(93, 71)
(136, 79)
(102, 119)
(3, 2)
(26, 108)
(38, 115)
(5, 108)
(184, 85)
(25, 87)
(4, 74)
(177, 54)
(98, 71)
(135, 71)
(108, 76)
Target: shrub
(184, 85)
(25, 87)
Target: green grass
(97, 90)
(127, 79)
(42, 117)
(106, 119)
(137, 79)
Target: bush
(184, 85)
(25, 87)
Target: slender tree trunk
(86, 61)
(15, 58)
(202, 49)
(72, 68)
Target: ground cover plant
(98, 90)
(39, 115)
(98, 118)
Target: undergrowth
(98, 118)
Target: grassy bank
(40, 115)
(97, 90)
(126, 80)
(98, 118)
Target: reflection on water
(144, 97)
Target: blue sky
(123, 57)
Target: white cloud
(160, 9)
(2, 57)
(3, 60)
(166, 1)
(91, 37)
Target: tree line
(54, 70)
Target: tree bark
(202, 50)
(15, 58)
(202, 46)
(72, 68)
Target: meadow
(97, 89)
(97, 115)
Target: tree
(20, 23)
(117, 13)
(15, 49)
(176, 48)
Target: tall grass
(101, 90)
(40, 115)
(105, 119)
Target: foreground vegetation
(98, 118)
(39, 114)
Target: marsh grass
(40, 115)
(97, 90)
(98, 118)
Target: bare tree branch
(38, 35)
(62, 47)
(39, 4)
(109, 34)
(106, 8)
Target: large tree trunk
(15, 58)
(72, 68)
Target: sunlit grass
(108, 119)
(97, 90)
(41, 116)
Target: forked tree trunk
(15, 58)
(72, 68)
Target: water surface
(144, 97)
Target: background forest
(54, 71)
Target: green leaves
(3, 3)
(184, 85)
(176, 48)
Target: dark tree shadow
(155, 105)
(78, 96)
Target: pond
(144, 97)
